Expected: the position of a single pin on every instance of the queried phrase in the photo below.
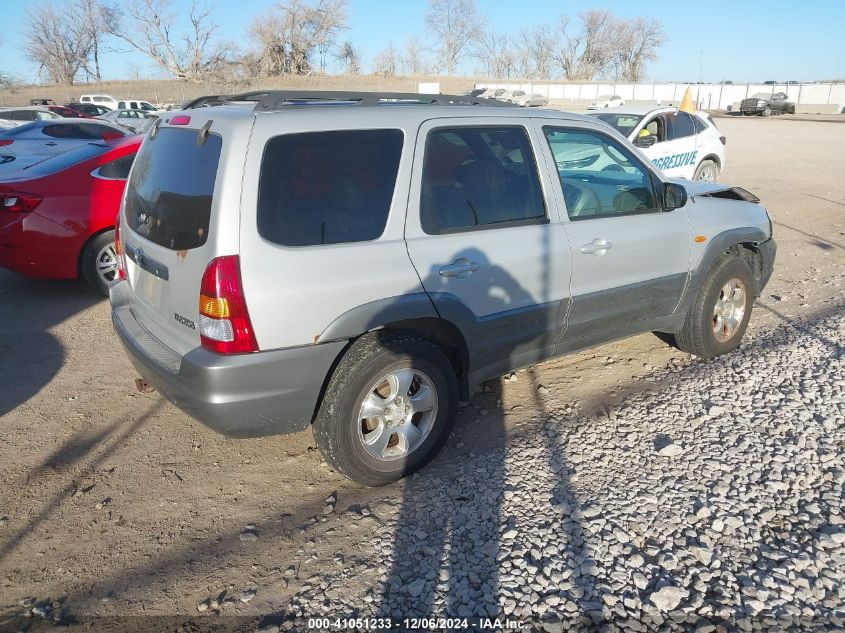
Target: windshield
(624, 123)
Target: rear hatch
(173, 224)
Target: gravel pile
(714, 501)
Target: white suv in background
(679, 144)
(134, 104)
(106, 101)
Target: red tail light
(6, 141)
(180, 120)
(19, 202)
(118, 249)
(225, 327)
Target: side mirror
(674, 196)
(645, 141)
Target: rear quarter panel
(294, 293)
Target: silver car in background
(136, 120)
(41, 139)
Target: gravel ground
(713, 500)
(626, 485)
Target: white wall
(707, 96)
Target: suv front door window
(630, 258)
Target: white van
(104, 100)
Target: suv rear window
(168, 197)
(327, 187)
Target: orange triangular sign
(687, 105)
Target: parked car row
(516, 97)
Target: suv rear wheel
(388, 408)
(718, 317)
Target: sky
(737, 41)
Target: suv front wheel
(718, 317)
(388, 408)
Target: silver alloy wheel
(106, 263)
(397, 414)
(729, 310)
(708, 173)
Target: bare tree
(271, 55)
(385, 62)
(587, 50)
(539, 45)
(5, 78)
(58, 41)
(495, 52)
(98, 19)
(639, 40)
(152, 30)
(349, 57)
(412, 57)
(296, 36)
(456, 24)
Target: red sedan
(57, 216)
(68, 113)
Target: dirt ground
(114, 503)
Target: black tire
(91, 256)
(697, 336)
(766, 112)
(336, 428)
(705, 165)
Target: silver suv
(359, 263)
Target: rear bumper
(245, 395)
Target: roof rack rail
(276, 99)
(269, 100)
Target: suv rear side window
(327, 187)
(168, 198)
(679, 125)
(479, 176)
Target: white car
(107, 101)
(606, 101)
(679, 144)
